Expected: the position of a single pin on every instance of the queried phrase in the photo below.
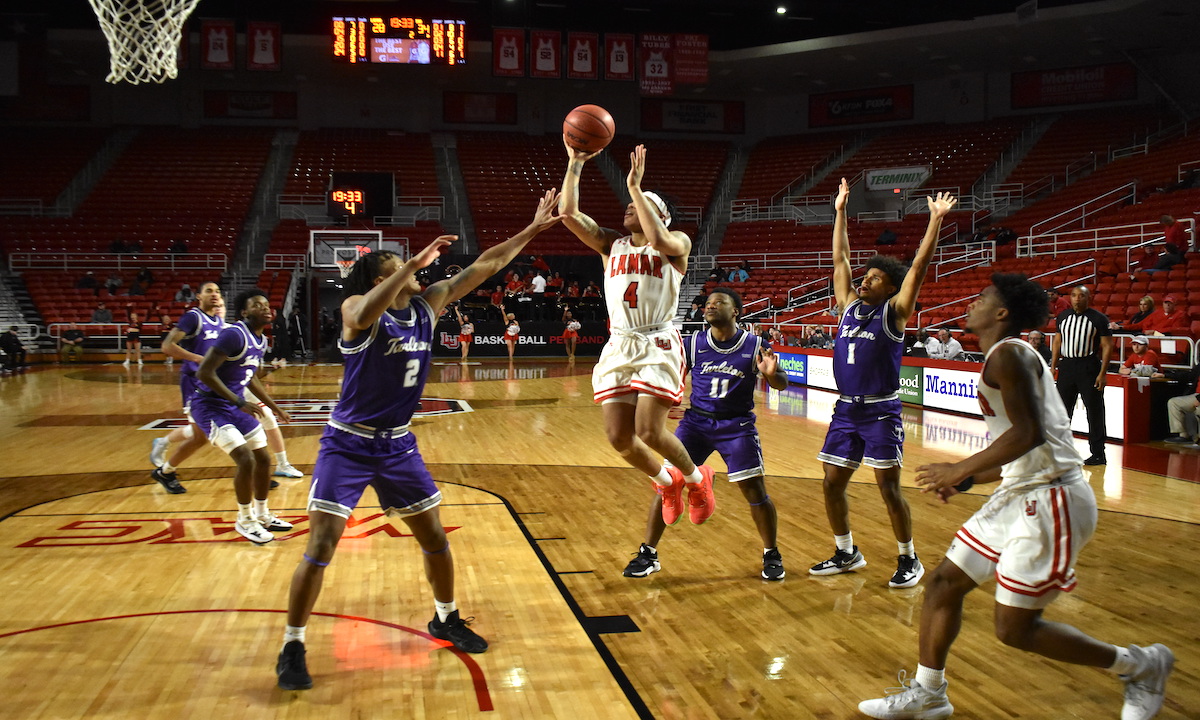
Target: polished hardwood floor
(120, 600)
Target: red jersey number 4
(630, 296)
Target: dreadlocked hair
(362, 276)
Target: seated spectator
(185, 294)
(745, 265)
(717, 274)
(738, 275)
(1134, 324)
(573, 289)
(592, 290)
(179, 246)
(695, 314)
(1169, 320)
(71, 348)
(1005, 235)
(1167, 259)
(14, 350)
(137, 289)
(887, 237)
(87, 282)
(1058, 303)
(818, 338)
(776, 338)
(555, 283)
(101, 314)
(793, 341)
(113, 282)
(514, 286)
(1142, 362)
(1037, 340)
(915, 344)
(1183, 412)
(944, 347)
(1174, 232)
(145, 277)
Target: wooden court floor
(119, 600)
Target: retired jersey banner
(854, 107)
(699, 116)
(897, 177)
(263, 46)
(1074, 86)
(217, 43)
(618, 57)
(691, 59)
(508, 52)
(655, 63)
(546, 55)
(583, 56)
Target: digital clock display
(348, 202)
(404, 40)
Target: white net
(143, 37)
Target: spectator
(185, 294)
(514, 286)
(145, 277)
(818, 338)
(179, 246)
(1142, 362)
(1134, 324)
(1167, 259)
(1183, 412)
(101, 314)
(695, 314)
(136, 288)
(555, 283)
(1037, 341)
(793, 341)
(113, 282)
(745, 265)
(944, 347)
(1058, 303)
(1005, 235)
(738, 275)
(87, 282)
(538, 286)
(497, 302)
(71, 348)
(717, 274)
(14, 350)
(573, 289)
(1173, 232)
(776, 338)
(1167, 321)
(887, 237)
(592, 290)
(916, 347)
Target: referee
(1080, 357)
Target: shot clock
(403, 40)
(360, 194)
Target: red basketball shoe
(672, 497)
(701, 501)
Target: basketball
(589, 128)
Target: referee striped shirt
(1081, 332)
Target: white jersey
(1052, 459)
(641, 286)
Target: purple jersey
(245, 351)
(386, 367)
(867, 351)
(200, 331)
(723, 373)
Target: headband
(662, 206)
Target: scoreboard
(404, 40)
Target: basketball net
(345, 266)
(143, 37)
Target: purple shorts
(734, 439)
(348, 463)
(187, 388)
(870, 434)
(211, 414)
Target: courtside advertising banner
(795, 365)
(583, 56)
(508, 52)
(1074, 86)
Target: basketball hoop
(345, 257)
(143, 37)
(345, 266)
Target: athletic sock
(444, 609)
(695, 478)
(167, 468)
(845, 543)
(1124, 664)
(260, 508)
(291, 633)
(929, 678)
(907, 548)
(662, 478)
(281, 458)
(243, 512)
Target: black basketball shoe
(291, 668)
(456, 632)
(169, 481)
(773, 565)
(841, 562)
(645, 563)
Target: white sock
(663, 477)
(845, 543)
(695, 478)
(444, 609)
(651, 548)
(260, 508)
(167, 467)
(929, 678)
(243, 512)
(291, 633)
(281, 458)
(1124, 664)
(906, 548)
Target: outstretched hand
(941, 205)
(426, 257)
(843, 194)
(940, 479)
(637, 167)
(544, 218)
(768, 362)
(574, 153)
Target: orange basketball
(589, 128)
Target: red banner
(264, 45)
(655, 62)
(545, 59)
(583, 56)
(249, 105)
(485, 108)
(1074, 86)
(508, 52)
(707, 117)
(618, 57)
(218, 44)
(855, 107)
(691, 59)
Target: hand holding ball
(589, 128)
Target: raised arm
(669, 242)
(585, 228)
(360, 312)
(905, 301)
(843, 282)
(493, 260)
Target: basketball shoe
(286, 470)
(701, 501)
(672, 497)
(1144, 688)
(456, 632)
(158, 451)
(772, 565)
(253, 531)
(291, 667)
(169, 481)
(270, 522)
(909, 572)
(644, 563)
(910, 701)
(840, 562)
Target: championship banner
(249, 105)
(691, 59)
(899, 177)
(655, 61)
(546, 61)
(583, 56)
(697, 116)
(861, 106)
(264, 41)
(482, 108)
(618, 57)
(508, 52)
(1074, 86)
(217, 43)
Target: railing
(1074, 280)
(764, 302)
(1089, 239)
(114, 332)
(804, 293)
(1125, 194)
(285, 261)
(973, 254)
(1079, 166)
(22, 206)
(878, 216)
(109, 261)
(1185, 169)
